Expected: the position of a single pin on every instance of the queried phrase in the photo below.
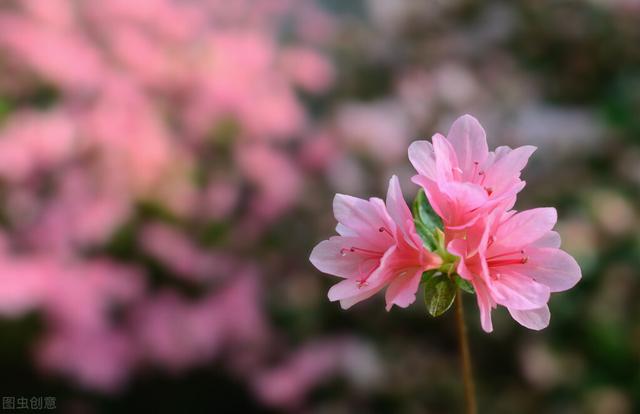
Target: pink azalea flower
(513, 259)
(462, 179)
(377, 246)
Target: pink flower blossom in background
(513, 259)
(462, 179)
(33, 142)
(176, 252)
(318, 151)
(132, 152)
(261, 164)
(377, 246)
(379, 129)
(286, 385)
(308, 69)
(99, 359)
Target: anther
(385, 230)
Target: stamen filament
(504, 260)
(361, 251)
(507, 262)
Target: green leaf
(428, 275)
(423, 211)
(439, 293)
(426, 220)
(464, 284)
(428, 238)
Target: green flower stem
(465, 357)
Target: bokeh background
(166, 167)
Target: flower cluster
(463, 231)
(138, 140)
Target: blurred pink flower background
(171, 107)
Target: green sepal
(427, 222)
(439, 293)
(464, 284)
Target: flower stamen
(504, 259)
(385, 230)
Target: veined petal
(343, 230)
(551, 267)
(349, 293)
(363, 217)
(466, 198)
(446, 161)
(468, 139)
(459, 248)
(438, 201)
(499, 153)
(535, 319)
(507, 166)
(402, 290)
(397, 206)
(526, 227)
(423, 158)
(551, 240)
(327, 257)
(517, 291)
(485, 303)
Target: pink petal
(345, 289)
(327, 258)
(363, 217)
(458, 247)
(446, 160)
(396, 205)
(535, 319)
(343, 230)
(551, 239)
(498, 154)
(466, 198)
(468, 139)
(438, 201)
(507, 167)
(551, 267)
(526, 227)
(384, 271)
(466, 195)
(348, 293)
(517, 291)
(351, 291)
(489, 223)
(402, 290)
(485, 304)
(423, 158)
